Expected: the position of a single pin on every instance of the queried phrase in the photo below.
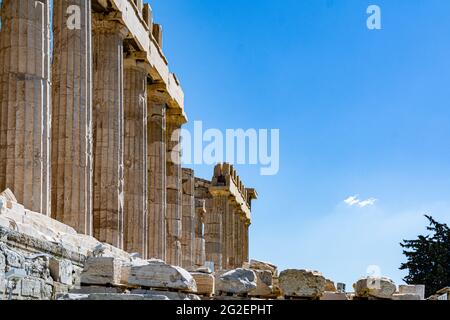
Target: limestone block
(59, 288)
(205, 283)
(35, 224)
(302, 283)
(264, 284)
(126, 269)
(260, 265)
(334, 296)
(14, 259)
(31, 287)
(276, 291)
(330, 286)
(165, 295)
(377, 287)
(38, 267)
(143, 295)
(406, 296)
(412, 289)
(61, 271)
(203, 270)
(80, 243)
(95, 289)
(157, 274)
(100, 296)
(114, 252)
(101, 271)
(407, 289)
(238, 281)
(45, 223)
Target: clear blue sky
(360, 112)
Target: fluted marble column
(174, 190)
(108, 120)
(246, 248)
(72, 161)
(199, 245)
(188, 221)
(239, 243)
(25, 102)
(214, 229)
(240, 230)
(228, 235)
(135, 157)
(156, 162)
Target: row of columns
(114, 167)
(227, 225)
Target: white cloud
(355, 201)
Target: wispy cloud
(355, 201)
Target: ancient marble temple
(89, 134)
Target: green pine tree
(428, 258)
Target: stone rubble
(205, 283)
(238, 281)
(302, 283)
(158, 274)
(375, 287)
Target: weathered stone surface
(59, 288)
(413, 289)
(96, 289)
(100, 296)
(406, 296)
(205, 283)
(264, 284)
(2, 263)
(260, 265)
(13, 259)
(407, 289)
(126, 269)
(38, 267)
(157, 274)
(143, 295)
(377, 287)
(31, 287)
(330, 286)
(333, 296)
(302, 283)
(61, 271)
(101, 271)
(238, 281)
(165, 295)
(8, 195)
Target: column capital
(219, 192)
(107, 24)
(175, 118)
(158, 94)
(132, 62)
